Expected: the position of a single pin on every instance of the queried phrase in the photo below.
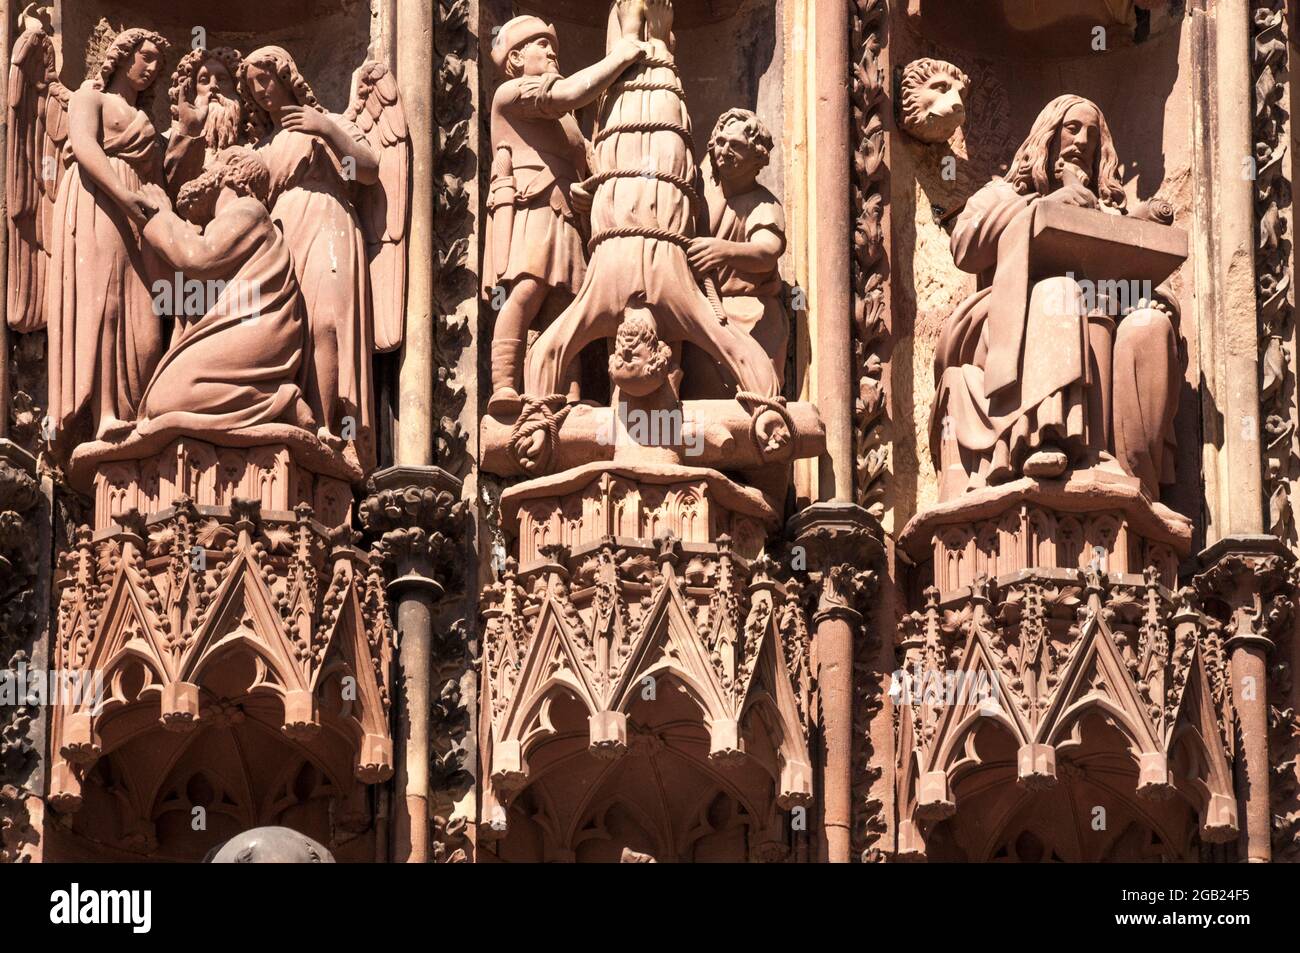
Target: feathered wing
(385, 207)
(38, 129)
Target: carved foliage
(20, 627)
(453, 280)
(870, 265)
(1271, 122)
(1278, 396)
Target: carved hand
(157, 195)
(192, 116)
(629, 50)
(303, 119)
(1073, 194)
(580, 198)
(138, 208)
(709, 254)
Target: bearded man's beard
(222, 128)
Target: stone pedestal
(1094, 519)
(580, 507)
(210, 475)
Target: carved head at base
(270, 845)
(639, 361)
(932, 99)
(526, 46)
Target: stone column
(1249, 585)
(414, 591)
(1224, 262)
(833, 237)
(415, 76)
(1243, 566)
(841, 543)
(414, 512)
(24, 639)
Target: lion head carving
(932, 99)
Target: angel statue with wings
(76, 162)
(339, 192)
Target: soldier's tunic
(549, 155)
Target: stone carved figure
(932, 99)
(207, 115)
(746, 235)
(339, 193)
(644, 216)
(38, 133)
(238, 365)
(104, 337)
(535, 240)
(1033, 376)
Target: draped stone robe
(104, 335)
(1026, 363)
(311, 202)
(241, 363)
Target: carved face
(537, 57)
(142, 68)
(214, 79)
(1078, 140)
(932, 104)
(734, 156)
(267, 90)
(638, 360)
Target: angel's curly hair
(1029, 172)
(257, 121)
(120, 51)
(187, 70)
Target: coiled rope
(538, 413)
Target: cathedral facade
(445, 431)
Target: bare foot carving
(631, 17)
(659, 19)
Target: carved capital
(1247, 585)
(844, 552)
(420, 519)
